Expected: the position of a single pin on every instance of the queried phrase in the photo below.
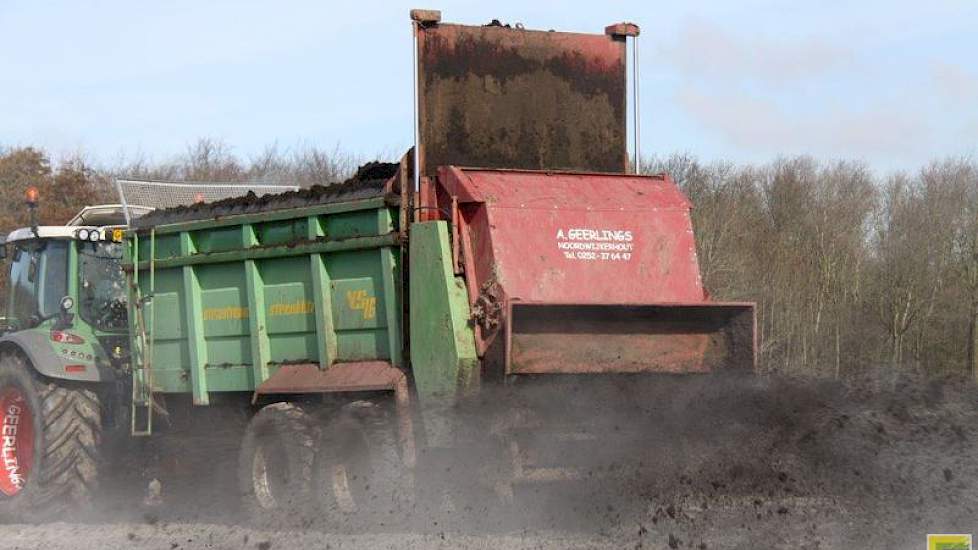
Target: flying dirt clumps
(369, 181)
(824, 465)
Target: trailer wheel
(49, 442)
(362, 480)
(275, 465)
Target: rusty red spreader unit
(571, 264)
(588, 273)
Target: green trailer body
(221, 305)
(444, 361)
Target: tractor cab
(57, 267)
(66, 305)
(53, 268)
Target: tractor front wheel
(49, 440)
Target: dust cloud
(703, 462)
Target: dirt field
(813, 465)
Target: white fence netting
(163, 194)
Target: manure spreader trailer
(480, 303)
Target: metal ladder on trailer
(143, 405)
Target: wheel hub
(16, 440)
(260, 481)
(340, 480)
(270, 476)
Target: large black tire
(275, 466)
(62, 451)
(361, 479)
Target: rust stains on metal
(622, 29)
(594, 338)
(589, 76)
(340, 377)
(472, 54)
(426, 17)
(511, 98)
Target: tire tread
(72, 432)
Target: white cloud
(763, 94)
(705, 49)
(955, 83)
(756, 124)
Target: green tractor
(63, 343)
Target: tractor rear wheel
(49, 441)
(275, 465)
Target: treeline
(67, 184)
(214, 161)
(852, 270)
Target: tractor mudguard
(46, 360)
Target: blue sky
(891, 83)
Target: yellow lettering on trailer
(231, 313)
(301, 307)
(360, 301)
(225, 313)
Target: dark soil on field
(368, 182)
(764, 463)
(837, 466)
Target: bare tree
(209, 160)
